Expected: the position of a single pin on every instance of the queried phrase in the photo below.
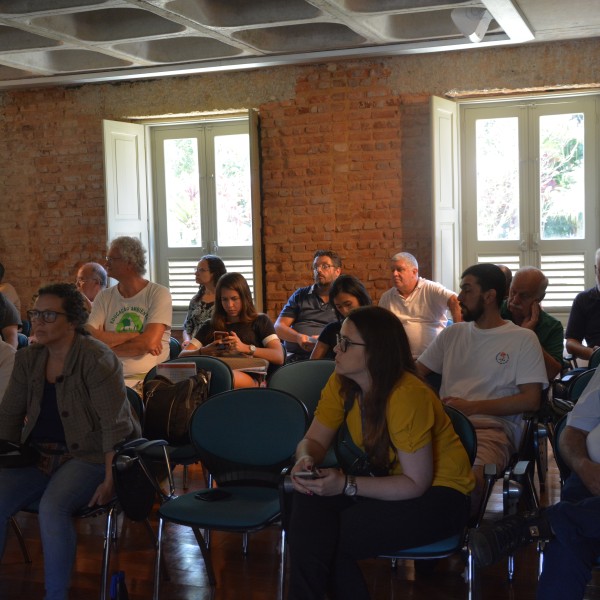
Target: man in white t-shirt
(420, 304)
(133, 317)
(492, 370)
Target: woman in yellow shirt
(425, 477)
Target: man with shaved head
(523, 307)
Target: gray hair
(407, 258)
(132, 252)
(98, 271)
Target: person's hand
(104, 493)
(234, 344)
(465, 406)
(534, 317)
(307, 343)
(328, 482)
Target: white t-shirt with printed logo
(423, 312)
(479, 364)
(113, 312)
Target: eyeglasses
(344, 342)
(83, 280)
(323, 267)
(48, 316)
(109, 259)
(202, 270)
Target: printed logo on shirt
(502, 358)
(129, 322)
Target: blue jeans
(70, 488)
(569, 557)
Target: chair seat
(246, 509)
(177, 454)
(439, 549)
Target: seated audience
(492, 370)
(308, 309)
(420, 304)
(91, 280)
(584, 320)
(523, 308)
(208, 271)
(421, 493)
(67, 398)
(9, 291)
(244, 331)
(134, 317)
(7, 360)
(9, 321)
(572, 525)
(345, 294)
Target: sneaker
(493, 541)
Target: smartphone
(213, 495)
(308, 474)
(219, 337)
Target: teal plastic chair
(244, 438)
(221, 380)
(304, 379)
(457, 542)
(174, 348)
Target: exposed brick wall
(345, 156)
(332, 176)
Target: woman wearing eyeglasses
(400, 429)
(67, 398)
(200, 310)
(345, 294)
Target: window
(204, 200)
(528, 189)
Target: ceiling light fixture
(472, 22)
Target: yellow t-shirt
(415, 417)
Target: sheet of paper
(179, 371)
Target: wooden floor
(255, 576)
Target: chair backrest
(465, 431)
(248, 434)
(594, 359)
(221, 376)
(579, 383)
(136, 403)
(304, 379)
(563, 469)
(174, 348)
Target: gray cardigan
(90, 394)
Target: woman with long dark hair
(345, 294)
(208, 271)
(402, 435)
(67, 398)
(237, 329)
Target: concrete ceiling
(77, 41)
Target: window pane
(562, 183)
(182, 193)
(497, 156)
(233, 191)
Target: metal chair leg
(21, 540)
(108, 533)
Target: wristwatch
(350, 489)
(252, 349)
